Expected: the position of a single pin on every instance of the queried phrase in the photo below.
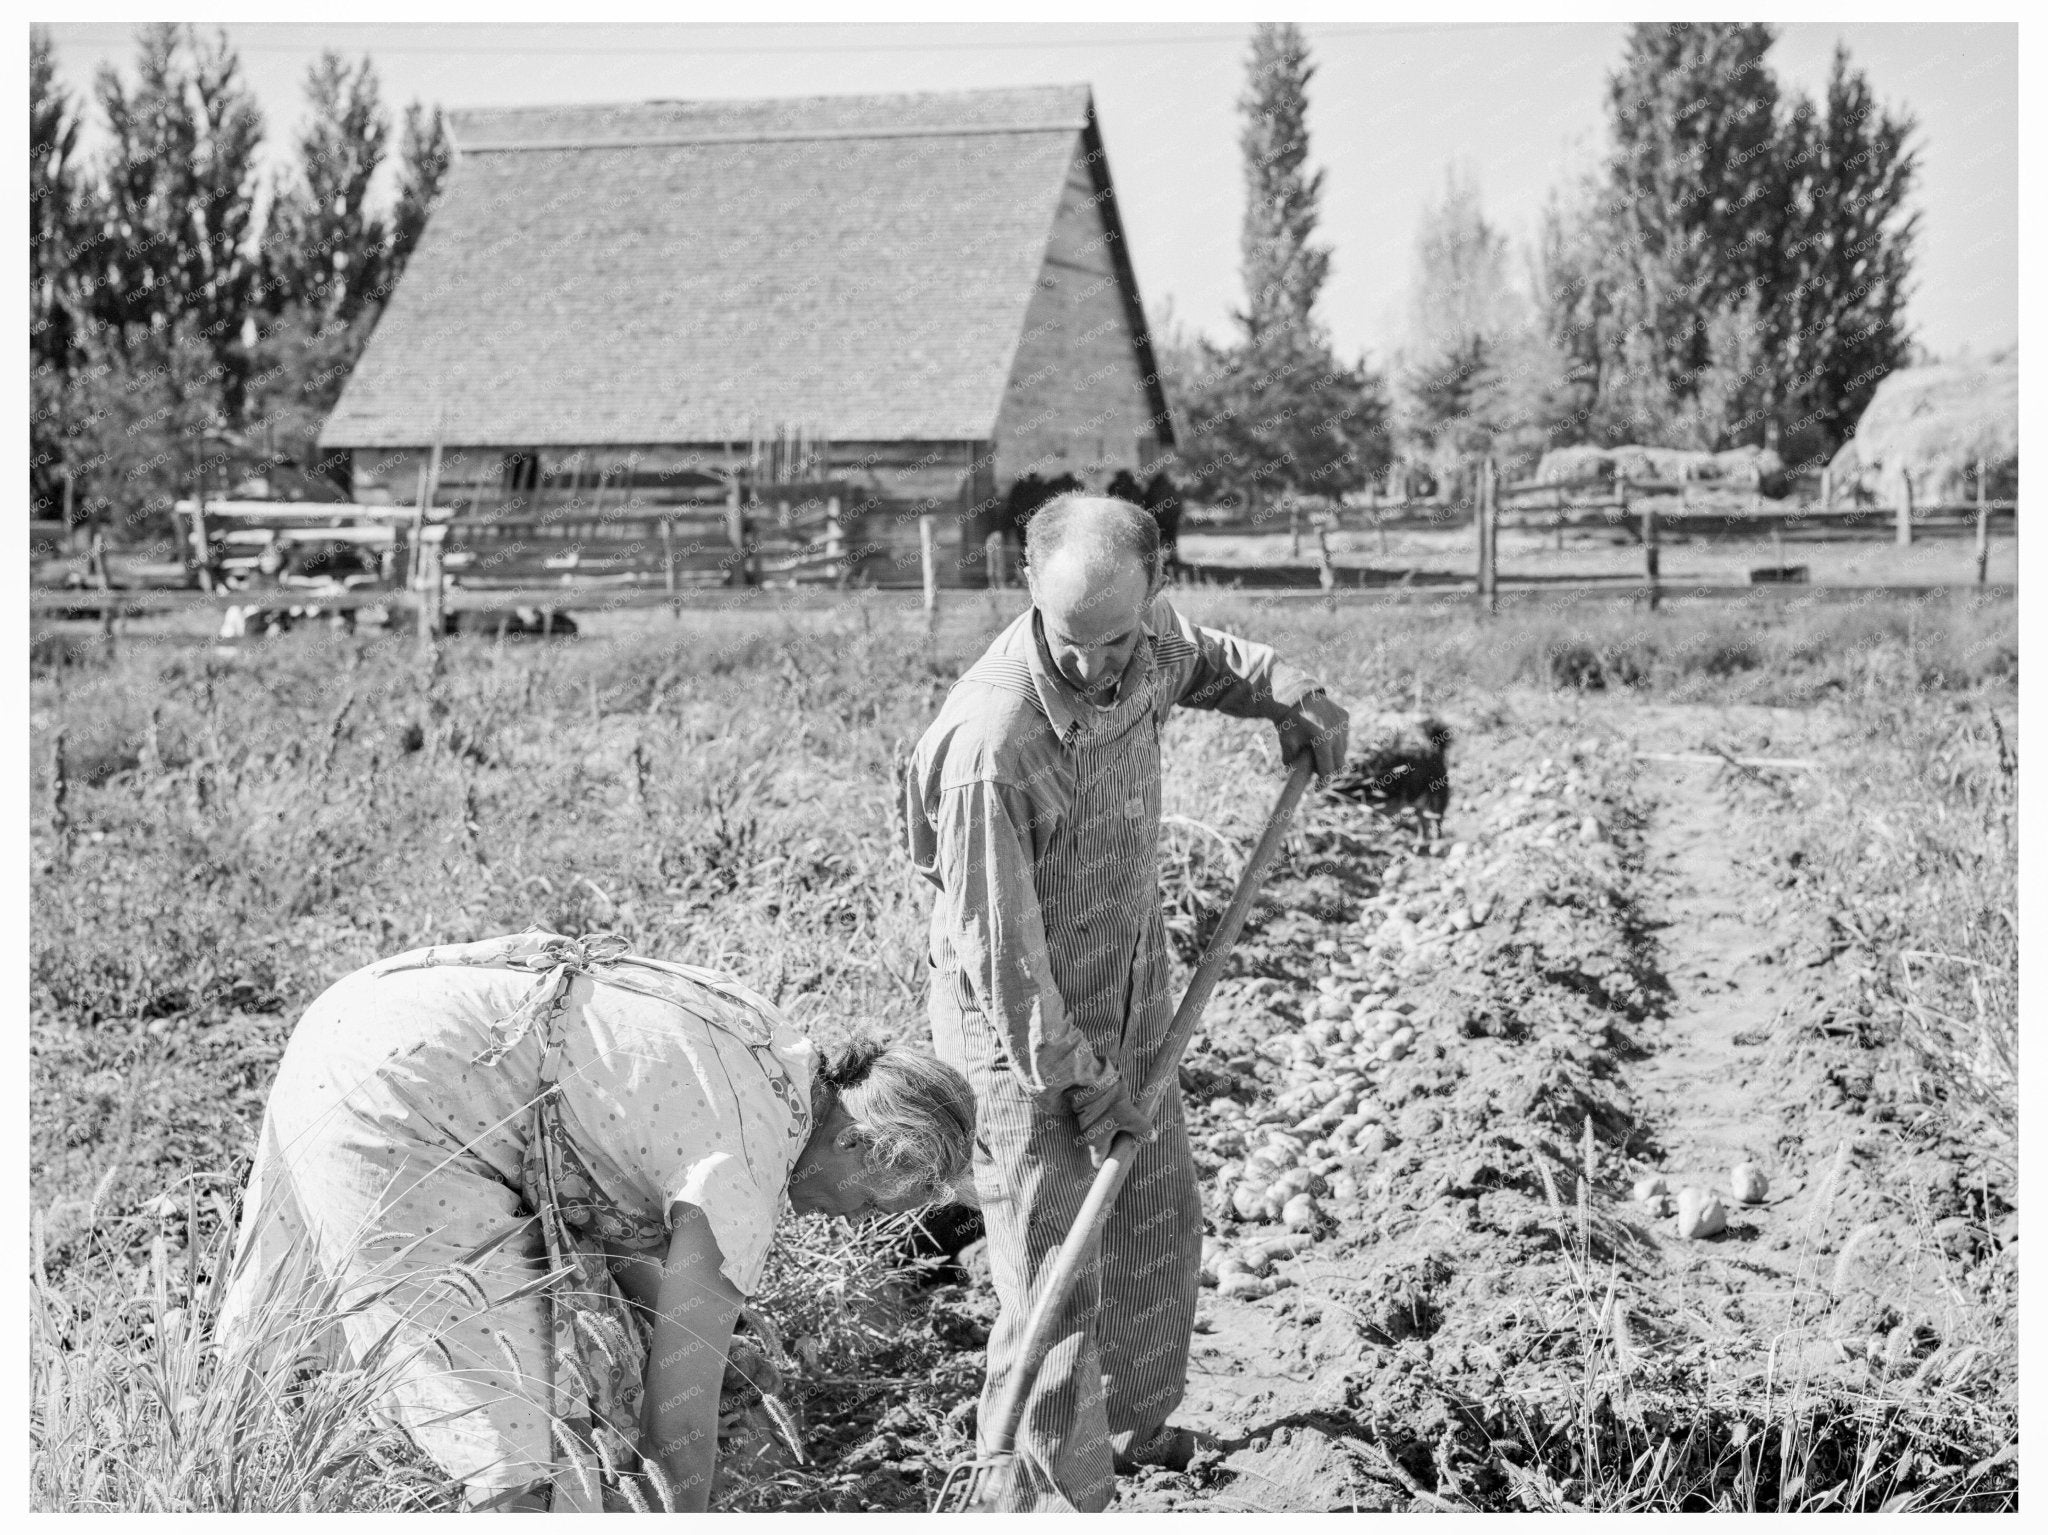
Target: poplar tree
(327, 249)
(1849, 250)
(425, 154)
(1276, 413)
(1284, 267)
(1695, 201)
(179, 228)
(57, 195)
(1462, 329)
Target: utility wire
(102, 32)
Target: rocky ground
(1546, 1167)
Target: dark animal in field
(939, 1235)
(511, 623)
(1026, 496)
(1400, 762)
(1164, 503)
(1125, 487)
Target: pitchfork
(972, 1485)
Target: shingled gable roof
(684, 271)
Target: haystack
(1936, 422)
(1741, 468)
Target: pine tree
(1447, 400)
(424, 157)
(327, 251)
(1850, 252)
(57, 196)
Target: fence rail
(1696, 518)
(575, 552)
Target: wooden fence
(575, 553)
(1652, 514)
(586, 551)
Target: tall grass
(134, 1405)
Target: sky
(1518, 108)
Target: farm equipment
(972, 1485)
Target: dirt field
(1613, 966)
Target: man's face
(1091, 611)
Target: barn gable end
(1082, 397)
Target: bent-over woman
(603, 1143)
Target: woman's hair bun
(851, 1066)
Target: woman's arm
(693, 1322)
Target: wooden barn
(715, 307)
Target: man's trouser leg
(1032, 1175)
(1151, 1277)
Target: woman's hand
(693, 1321)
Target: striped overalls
(1079, 788)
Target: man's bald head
(1091, 534)
(1093, 566)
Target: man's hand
(1100, 1117)
(1319, 724)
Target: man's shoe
(1171, 1448)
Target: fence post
(1327, 572)
(96, 562)
(1481, 575)
(736, 533)
(1904, 536)
(1649, 548)
(60, 794)
(1827, 489)
(1983, 524)
(992, 561)
(429, 562)
(1293, 527)
(928, 557)
(202, 551)
(668, 569)
(1489, 487)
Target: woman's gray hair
(915, 1112)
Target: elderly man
(1032, 803)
